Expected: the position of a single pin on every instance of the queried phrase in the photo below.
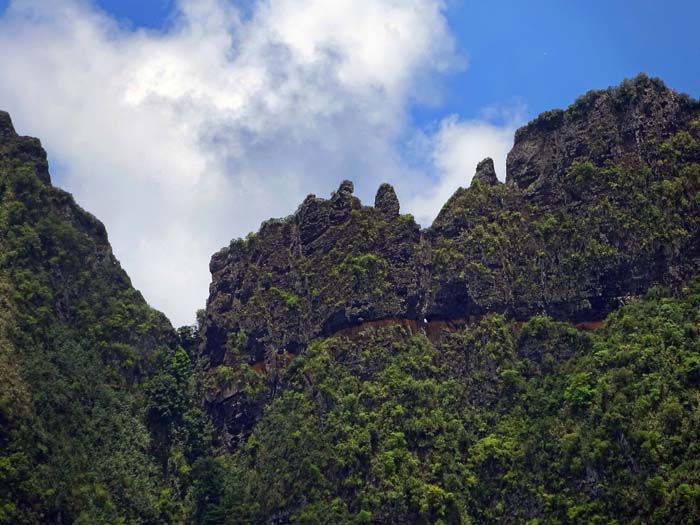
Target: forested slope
(85, 435)
(498, 422)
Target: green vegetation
(351, 368)
(492, 424)
(99, 422)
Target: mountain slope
(78, 351)
(498, 422)
(532, 357)
(363, 370)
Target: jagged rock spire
(386, 200)
(7, 130)
(343, 202)
(485, 173)
(346, 188)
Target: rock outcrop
(626, 124)
(600, 203)
(331, 265)
(584, 221)
(485, 173)
(17, 151)
(386, 200)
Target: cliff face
(626, 124)
(333, 264)
(270, 287)
(600, 203)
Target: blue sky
(549, 52)
(182, 124)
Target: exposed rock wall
(628, 123)
(332, 264)
(601, 202)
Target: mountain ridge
(360, 369)
(531, 357)
(561, 237)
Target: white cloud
(180, 140)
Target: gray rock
(386, 200)
(7, 130)
(485, 173)
(627, 122)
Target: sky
(182, 124)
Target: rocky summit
(485, 173)
(600, 204)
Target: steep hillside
(80, 440)
(497, 422)
(600, 202)
(363, 370)
(531, 357)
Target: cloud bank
(182, 139)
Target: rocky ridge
(600, 203)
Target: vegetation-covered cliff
(531, 357)
(94, 381)
(363, 370)
(497, 422)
